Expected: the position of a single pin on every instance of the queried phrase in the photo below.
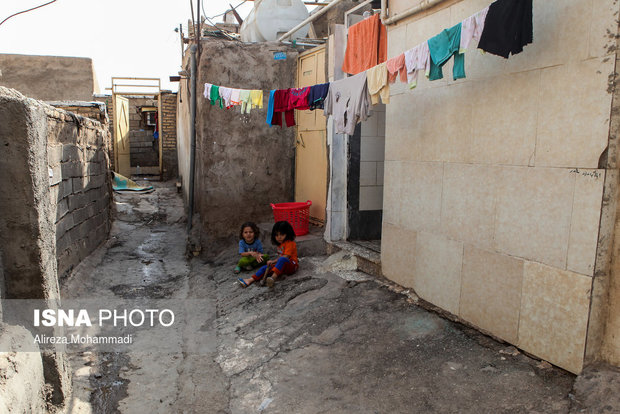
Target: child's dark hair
(254, 228)
(282, 227)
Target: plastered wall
(493, 190)
(49, 78)
(242, 164)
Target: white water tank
(270, 19)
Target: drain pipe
(310, 19)
(192, 134)
(423, 5)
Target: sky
(124, 38)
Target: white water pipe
(423, 5)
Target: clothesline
(502, 28)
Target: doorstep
(368, 260)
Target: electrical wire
(25, 11)
(221, 14)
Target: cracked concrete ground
(321, 341)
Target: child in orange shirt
(282, 235)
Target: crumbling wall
(169, 132)
(79, 185)
(242, 165)
(27, 212)
(48, 77)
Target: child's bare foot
(245, 282)
(270, 281)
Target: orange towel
(366, 45)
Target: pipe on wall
(423, 5)
(192, 134)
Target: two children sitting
(252, 255)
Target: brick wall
(144, 150)
(80, 186)
(169, 129)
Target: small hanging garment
(396, 65)
(441, 48)
(234, 97)
(281, 104)
(378, 85)
(348, 102)
(366, 45)
(317, 95)
(225, 94)
(207, 91)
(270, 107)
(507, 27)
(298, 98)
(417, 59)
(256, 97)
(214, 96)
(471, 28)
(246, 102)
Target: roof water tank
(270, 19)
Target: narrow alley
(322, 340)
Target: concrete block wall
(28, 210)
(493, 188)
(144, 149)
(80, 186)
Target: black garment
(507, 28)
(317, 95)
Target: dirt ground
(321, 341)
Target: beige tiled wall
(492, 189)
(372, 156)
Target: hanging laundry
(348, 102)
(298, 98)
(417, 59)
(234, 97)
(471, 28)
(246, 101)
(317, 95)
(442, 47)
(270, 106)
(377, 78)
(225, 94)
(256, 97)
(396, 65)
(281, 100)
(366, 45)
(207, 91)
(214, 96)
(507, 27)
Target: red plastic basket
(297, 214)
